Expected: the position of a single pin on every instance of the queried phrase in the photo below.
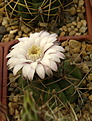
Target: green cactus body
(72, 76)
(29, 111)
(60, 88)
(34, 11)
(64, 85)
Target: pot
(4, 49)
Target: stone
(6, 35)
(84, 23)
(77, 34)
(5, 21)
(64, 28)
(81, 15)
(8, 29)
(16, 112)
(71, 33)
(74, 23)
(71, 51)
(69, 25)
(85, 33)
(62, 34)
(11, 111)
(75, 1)
(89, 78)
(42, 24)
(84, 46)
(1, 18)
(84, 82)
(13, 31)
(14, 27)
(81, 3)
(19, 33)
(91, 57)
(61, 29)
(16, 98)
(74, 44)
(10, 99)
(76, 29)
(67, 48)
(89, 86)
(76, 58)
(85, 68)
(69, 29)
(25, 29)
(65, 43)
(78, 10)
(3, 30)
(79, 24)
(10, 104)
(72, 27)
(24, 35)
(91, 110)
(11, 78)
(72, 11)
(16, 38)
(11, 36)
(6, 39)
(83, 29)
(89, 47)
(77, 50)
(86, 58)
(90, 97)
(36, 29)
(77, 19)
(83, 9)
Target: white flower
(38, 53)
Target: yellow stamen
(34, 53)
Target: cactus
(63, 84)
(57, 90)
(34, 11)
(29, 111)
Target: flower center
(34, 53)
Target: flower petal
(17, 68)
(34, 65)
(26, 69)
(47, 46)
(61, 55)
(31, 74)
(13, 61)
(54, 58)
(43, 43)
(58, 48)
(50, 51)
(34, 35)
(37, 41)
(46, 58)
(53, 35)
(16, 52)
(53, 65)
(45, 62)
(48, 71)
(23, 39)
(44, 34)
(40, 71)
(52, 39)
